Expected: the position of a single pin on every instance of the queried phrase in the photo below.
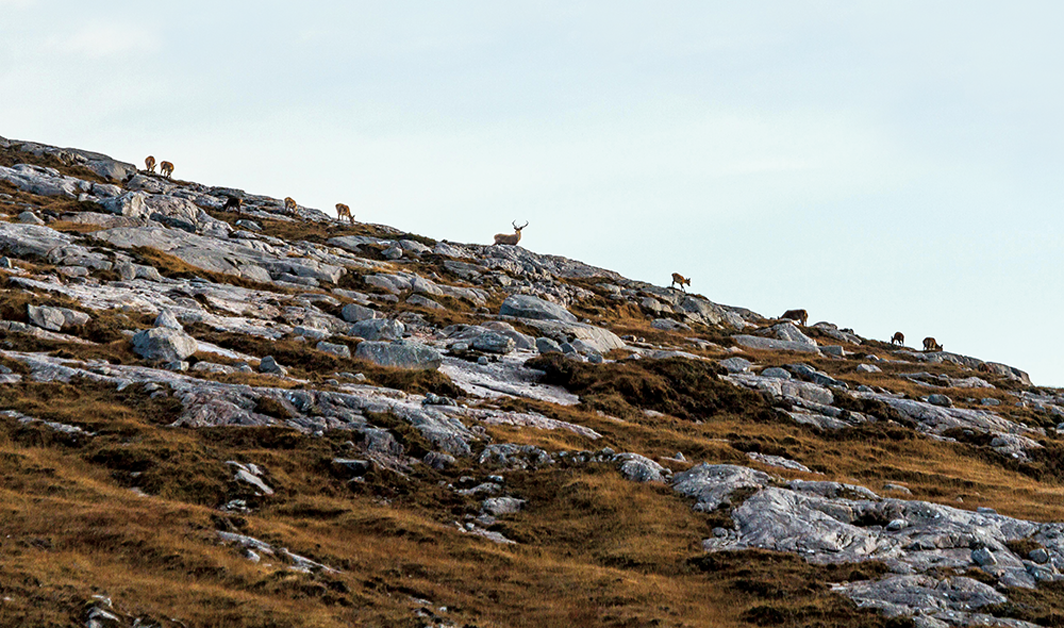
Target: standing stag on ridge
(233, 203)
(343, 210)
(898, 339)
(166, 168)
(930, 344)
(510, 238)
(797, 315)
(677, 278)
(149, 164)
(290, 205)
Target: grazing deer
(149, 164)
(677, 278)
(984, 367)
(930, 344)
(510, 238)
(166, 168)
(343, 210)
(797, 315)
(233, 203)
(290, 205)
(898, 339)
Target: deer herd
(234, 203)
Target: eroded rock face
(407, 355)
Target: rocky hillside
(243, 417)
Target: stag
(677, 278)
(343, 210)
(290, 205)
(166, 168)
(233, 203)
(898, 339)
(797, 315)
(149, 164)
(510, 238)
(930, 344)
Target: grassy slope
(593, 549)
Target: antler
(516, 228)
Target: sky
(885, 165)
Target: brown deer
(233, 203)
(510, 238)
(290, 205)
(898, 339)
(343, 210)
(677, 278)
(930, 344)
(797, 315)
(166, 168)
(149, 164)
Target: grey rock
(162, 344)
(409, 355)
(834, 350)
(737, 365)
(1039, 555)
(758, 342)
(499, 506)
(269, 365)
(600, 339)
(639, 468)
(712, 485)
(166, 318)
(527, 306)
(353, 313)
(990, 401)
(546, 345)
(667, 324)
(868, 368)
(339, 350)
(378, 329)
(777, 373)
(29, 218)
(777, 461)
(983, 557)
(940, 400)
(46, 317)
(810, 374)
(493, 342)
(439, 461)
(420, 301)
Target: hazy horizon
(884, 167)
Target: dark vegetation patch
(680, 387)
(1043, 606)
(779, 589)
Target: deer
(797, 315)
(343, 210)
(166, 168)
(233, 203)
(677, 278)
(510, 238)
(149, 164)
(898, 339)
(290, 205)
(930, 344)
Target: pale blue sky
(887, 166)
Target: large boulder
(528, 306)
(407, 355)
(163, 344)
(378, 329)
(599, 339)
(353, 313)
(55, 318)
